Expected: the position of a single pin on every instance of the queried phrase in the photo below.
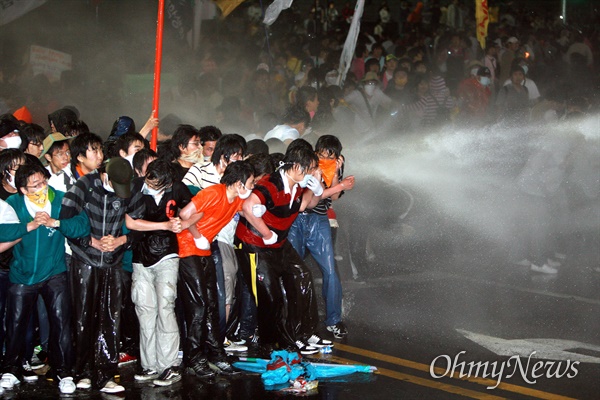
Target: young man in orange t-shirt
(210, 210)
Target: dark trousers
(130, 325)
(283, 288)
(198, 292)
(4, 284)
(20, 306)
(97, 304)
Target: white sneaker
(552, 263)
(66, 385)
(306, 349)
(112, 387)
(545, 269)
(233, 347)
(146, 375)
(84, 383)
(9, 381)
(316, 341)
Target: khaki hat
(49, 141)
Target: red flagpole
(157, 65)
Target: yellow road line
(424, 367)
(425, 382)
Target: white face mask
(485, 81)
(474, 71)
(107, 186)
(525, 69)
(245, 195)
(370, 90)
(11, 181)
(150, 191)
(13, 142)
(206, 158)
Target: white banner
(13, 9)
(350, 44)
(49, 62)
(275, 9)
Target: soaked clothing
(198, 293)
(202, 176)
(151, 247)
(197, 274)
(106, 213)
(96, 301)
(311, 231)
(292, 309)
(282, 208)
(154, 286)
(38, 269)
(96, 277)
(217, 211)
(153, 291)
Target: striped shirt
(282, 203)
(106, 212)
(202, 175)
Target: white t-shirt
(283, 133)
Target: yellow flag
(227, 6)
(482, 17)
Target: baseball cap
(120, 175)
(391, 57)
(484, 71)
(49, 140)
(512, 39)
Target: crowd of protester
(114, 252)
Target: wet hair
(261, 163)
(329, 144)
(299, 152)
(124, 141)
(239, 171)
(257, 146)
(141, 157)
(276, 158)
(295, 115)
(26, 170)
(81, 143)
(209, 133)
(161, 172)
(305, 94)
(31, 134)
(75, 128)
(183, 134)
(60, 118)
(8, 159)
(226, 146)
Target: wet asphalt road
(400, 323)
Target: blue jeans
(312, 231)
